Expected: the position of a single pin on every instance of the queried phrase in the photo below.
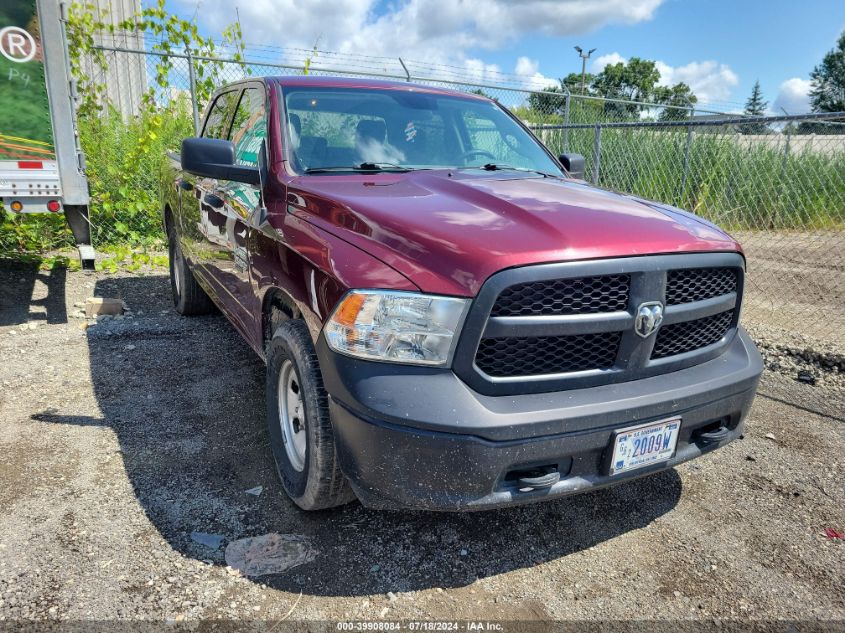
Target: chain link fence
(776, 183)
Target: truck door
(194, 225)
(228, 209)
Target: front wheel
(298, 420)
(188, 296)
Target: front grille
(691, 335)
(532, 356)
(584, 295)
(697, 284)
(571, 325)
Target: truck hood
(448, 231)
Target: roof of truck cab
(356, 82)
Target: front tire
(298, 421)
(189, 299)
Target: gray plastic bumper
(421, 438)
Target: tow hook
(538, 480)
(716, 435)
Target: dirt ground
(119, 440)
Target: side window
(216, 124)
(249, 127)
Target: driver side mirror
(215, 158)
(573, 164)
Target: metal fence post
(786, 151)
(686, 161)
(596, 154)
(405, 68)
(193, 82)
(566, 122)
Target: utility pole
(584, 57)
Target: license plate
(644, 445)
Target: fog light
(53, 206)
(16, 206)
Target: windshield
(343, 129)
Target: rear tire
(189, 298)
(298, 421)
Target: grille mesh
(584, 295)
(532, 356)
(691, 335)
(697, 284)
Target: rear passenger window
(217, 123)
(249, 128)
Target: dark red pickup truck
(450, 318)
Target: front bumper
(416, 437)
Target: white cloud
(526, 66)
(709, 80)
(484, 23)
(434, 31)
(529, 70)
(793, 96)
(610, 59)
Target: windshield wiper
(501, 166)
(382, 167)
(367, 167)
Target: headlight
(396, 326)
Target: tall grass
(739, 185)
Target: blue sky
(718, 47)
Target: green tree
(573, 82)
(479, 92)
(632, 81)
(679, 99)
(552, 101)
(828, 81)
(755, 106)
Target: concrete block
(103, 305)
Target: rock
(391, 596)
(806, 377)
(213, 541)
(770, 436)
(103, 306)
(269, 554)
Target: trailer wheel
(189, 298)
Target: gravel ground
(120, 439)
(796, 281)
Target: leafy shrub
(124, 164)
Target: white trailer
(41, 164)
